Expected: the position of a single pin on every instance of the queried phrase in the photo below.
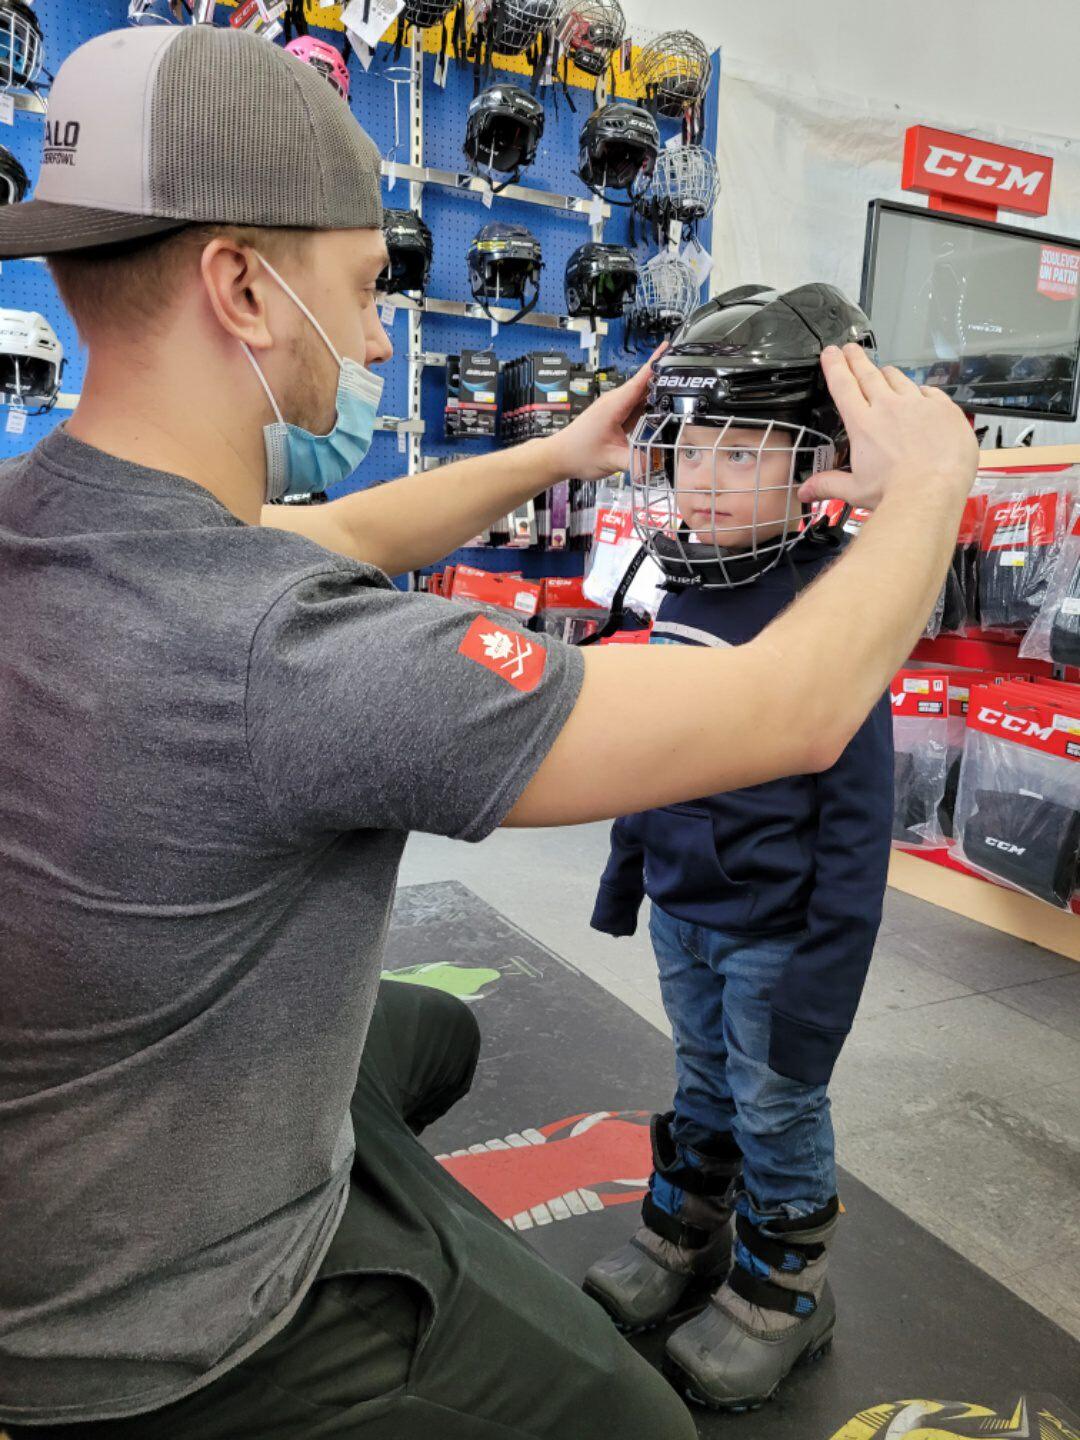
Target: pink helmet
(324, 58)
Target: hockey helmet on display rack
(684, 189)
(411, 249)
(14, 181)
(503, 132)
(426, 14)
(600, 279)
(618, 149)
(665, 295)
(738, 415)
(22, 48)
(504, 266)
(157, 12)
(323, 57)
(589, 32)
(510, 27)
(31, 361)
(674, 71)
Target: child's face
(716, 489)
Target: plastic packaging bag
(615, 548)
(1017, 815)
(1055, 633)
(1022, 533)
(920, 739)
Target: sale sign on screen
(1059, 273)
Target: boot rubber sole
(816, 1350)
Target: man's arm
(419, 519)
(659, 725)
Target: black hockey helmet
(600, 279)
(504, 266)
(14, 181)
(746, 367)
(503, 131)
(619, 146)
(515, 25)
(409, 242)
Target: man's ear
(235, 281)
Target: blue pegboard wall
(25, 284)
(454, 218)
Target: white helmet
(31, 360)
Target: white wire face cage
(514, 24)
(21, 51)
(665, 294)
(675, 70)
(685, 184)
(718, 515)
(590, 31)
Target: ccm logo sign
(1014, 724)
(941, 164)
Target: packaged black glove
(1026, 839)
(1055, 633)
(920, 738)
(1017, 816)
(1022, 534)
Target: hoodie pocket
(682, 867)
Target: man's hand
(597, 442)
(900, 433)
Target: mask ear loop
(303, 310)
(263, 382)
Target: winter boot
(773, 1312)
(683, 1249)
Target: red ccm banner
(975, 177)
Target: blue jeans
(716, 991)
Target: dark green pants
(430, 1318)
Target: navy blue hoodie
(808, 854)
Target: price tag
(391, 175)
(698, 260)
(586, 337)
(16, 420)
(494, 328)
(488, 196)
(7, 109)
(402, 442)
(596, 210)
(441, 71)
(387, 313)
(370, 19)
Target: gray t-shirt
(214, 740)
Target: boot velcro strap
(769, 1296)
(668, 1227)
(789, 1256)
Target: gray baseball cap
(153, 129)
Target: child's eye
(742, 457)
(690, 454)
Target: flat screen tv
(988, 312)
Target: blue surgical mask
(299, 463)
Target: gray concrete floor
(957, 1097)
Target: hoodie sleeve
(814, 1004)
(622, 885)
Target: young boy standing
(765, 901)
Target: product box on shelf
(1023, 527)
(472, 395)
(503, 590)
